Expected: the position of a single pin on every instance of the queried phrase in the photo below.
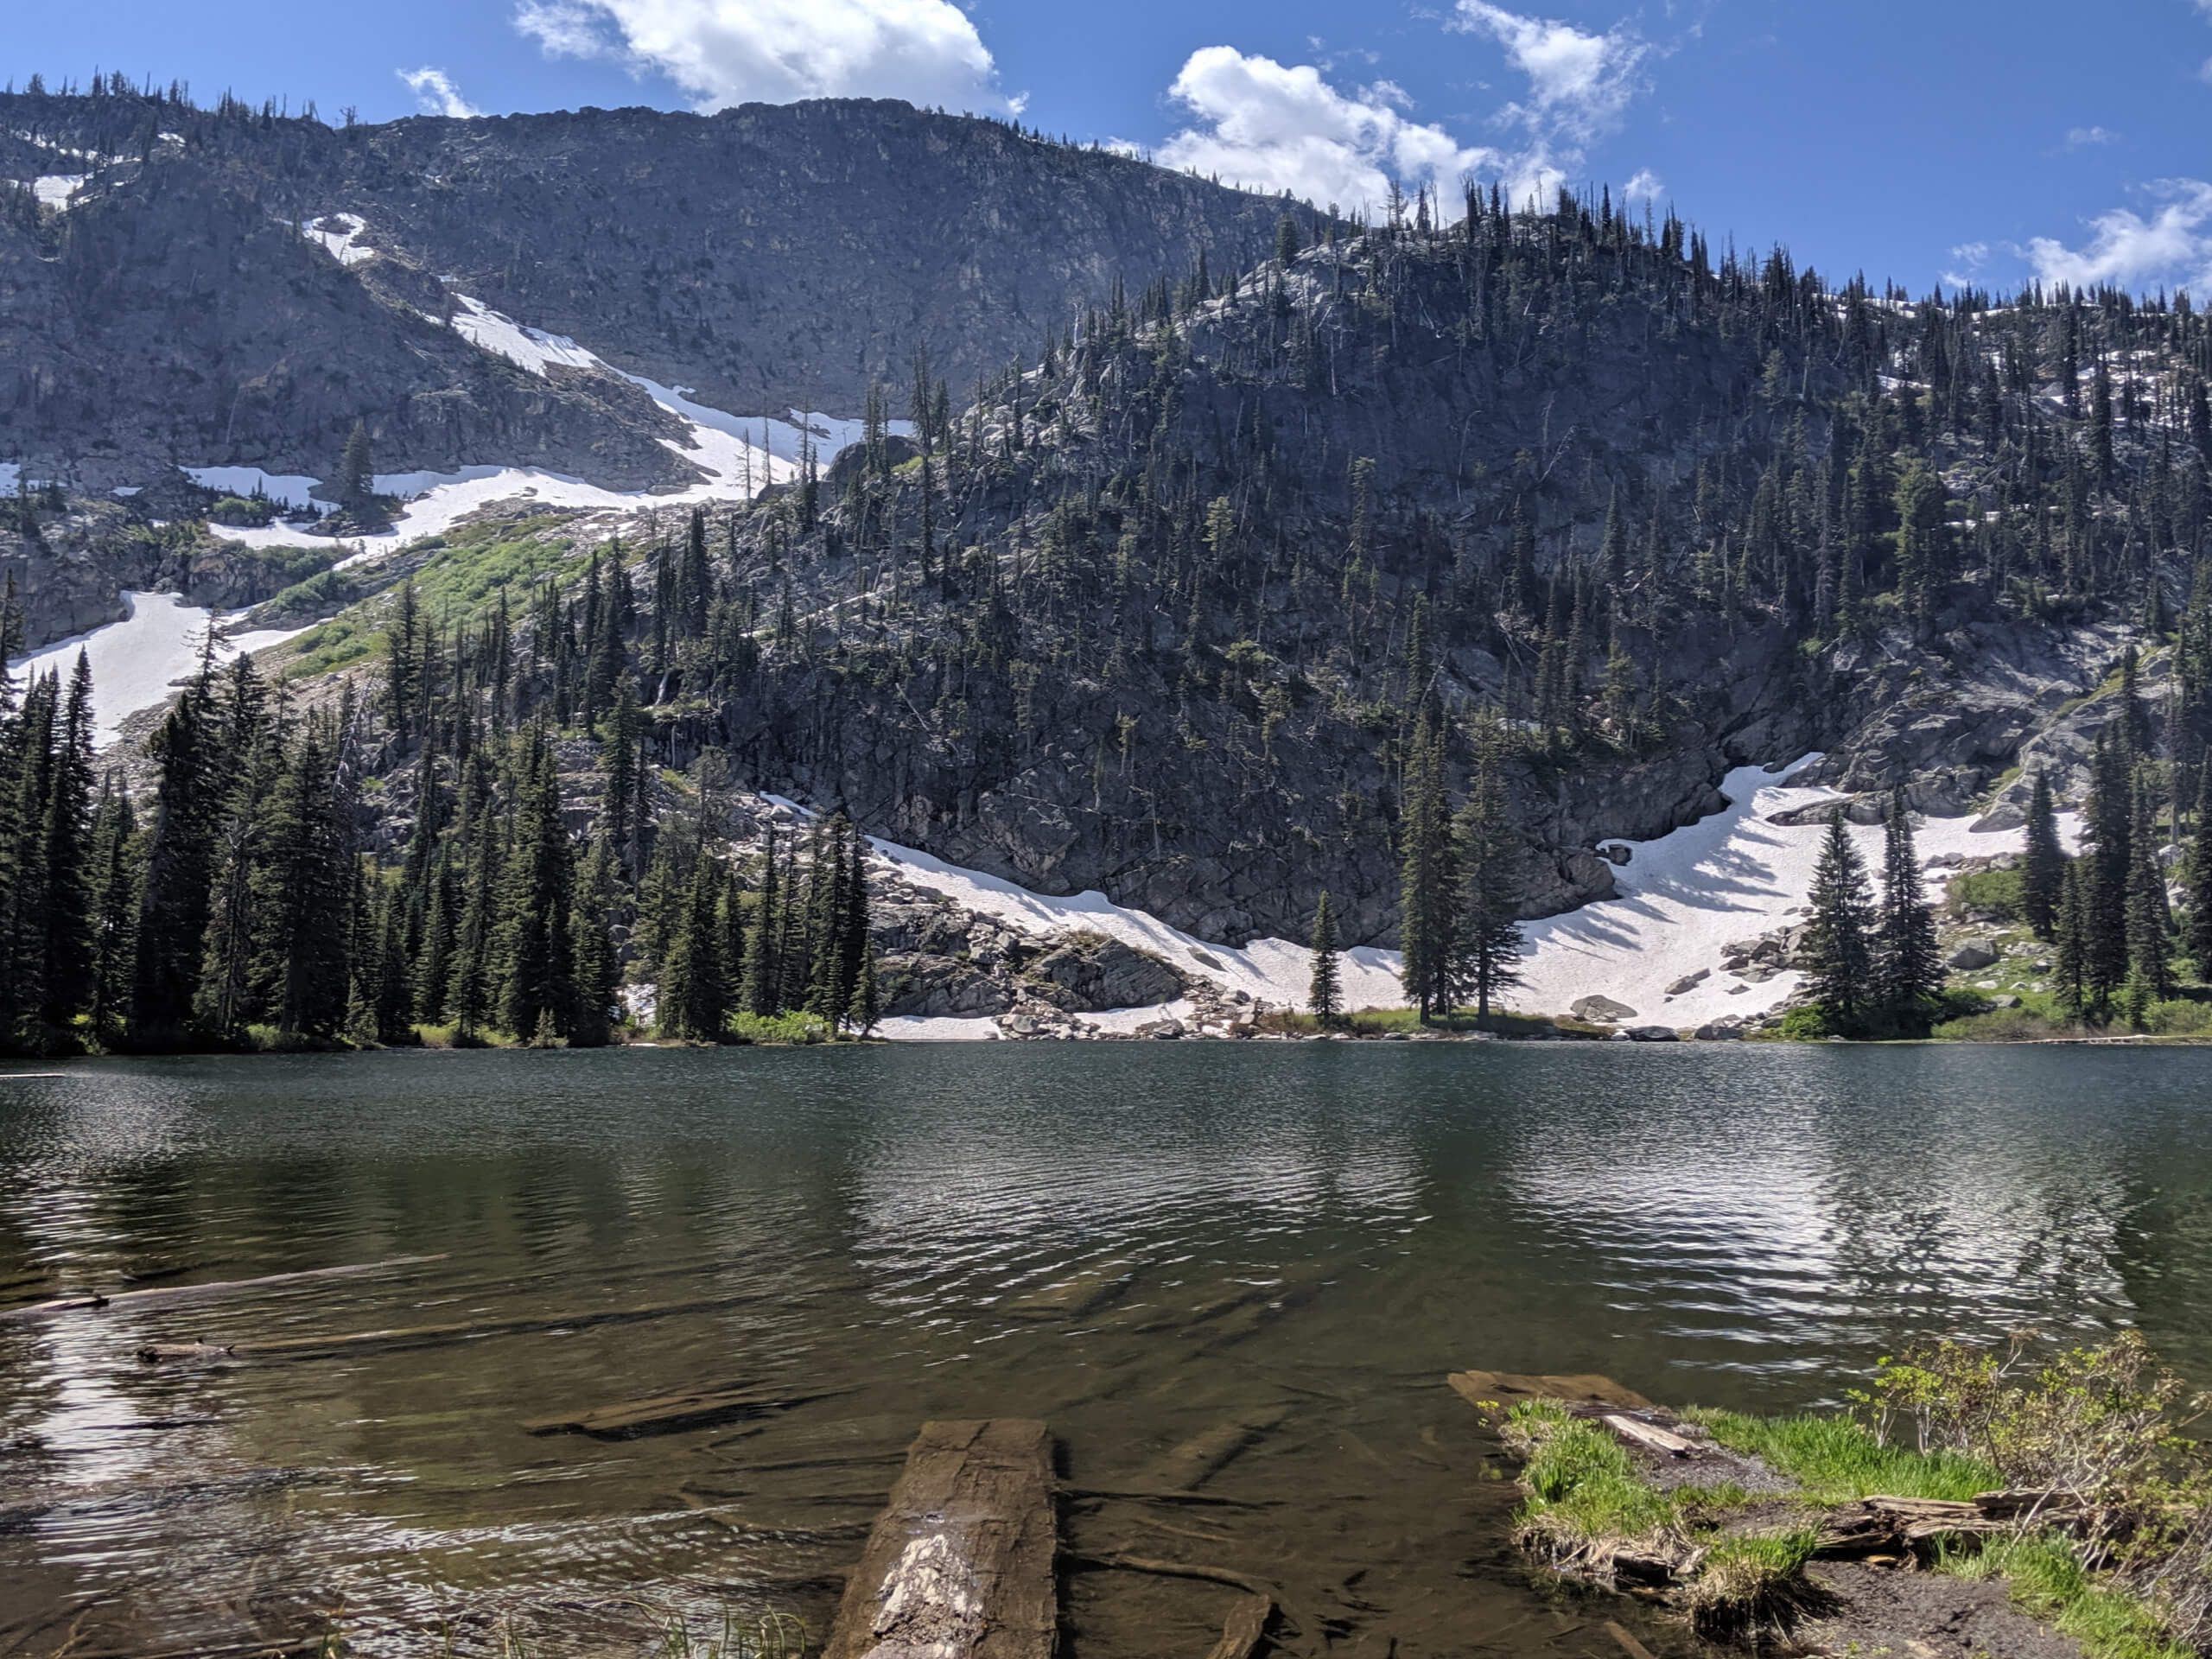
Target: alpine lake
(1239, 1272)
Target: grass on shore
(1834, 1459)
(2048, 1580)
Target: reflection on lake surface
(1141, 1244)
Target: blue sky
(1916, 142)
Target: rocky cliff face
(770, 258)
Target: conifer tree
(864, 1012)
(2147, 918)
(1838, 945)
(762, 991)
(1487, 939)
(536, 980)
(1427, 882)
(2104, 875)
(302, 892)
(2043, 868)
(591, 948)
(1908, 968)
(114, 912)
(694, 995)
(2199, 876)
(1324, 996)
(357, 468)
(175, 911)
(65, 978)
(2070, 978)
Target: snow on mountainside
(1730, 876)
(137, 662)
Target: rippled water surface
(1167, 1252)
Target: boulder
(1601, 1010)
(1089, 971)
(1718, 1035)
(1616, 852)
(1161, 1030)
(1652, 1034)
(1689, 981)
(940, 986)
(1974, 953)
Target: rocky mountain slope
(234, 286)
(1160, 610)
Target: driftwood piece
(1630, 1645)
(1205, 1454)
(183, 1293)
(1510, 1388)
(1244, 1628)
(1890, 1526)
(667, 1413)
(960, 1564)
(1069, 1298)
(1657, 1438)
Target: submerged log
(960, 1564)
(1205, 1454)
(181, 1353)
(183, 1293)
(668, 1413)
(1071, 1299)
(1484, 1388)
(1244, 1628)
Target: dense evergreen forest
(1392, 567)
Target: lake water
(1277, 1251)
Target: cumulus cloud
(1274, 127)
(2079, 137)
(2173, 244)
(1646, 186)
(435, 92)
(724, 52)
(1579, 84)
(1261, 123)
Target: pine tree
(761, 994)
(1427, 883)
(1839, 947)
(2104, 874)
(1487, 939)
(620, 758)
(2149, 955)
(2042, 869)
(864, 1012)
(2200, 885)
(67, 975)
(114, 912)
(694, 995)
(2070, 978)
(537, 982)
(356, 470)
(173, 915)
(591, 948)
(1325, 997)
(1907, 967)
(302, 890)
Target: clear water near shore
(1280, 1250)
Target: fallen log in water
(181, 1293)
(1199, 1458)
(181, 1353)
(1069, 1298)
(1244, 1628)
(1485, 1389)
(669, 1414)
(960, 1564)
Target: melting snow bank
(137, 662)
(1682, 897)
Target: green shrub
(1987, 895)
(241, 512)
(1808, 1024)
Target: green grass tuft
(2047, 1580)
(1835, 1460)
(1752, 1581)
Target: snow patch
(137, 662)
(339, 234)
(529, 348)
(58, 189)
(293, 490)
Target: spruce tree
(694, 997)
(1487, 939)
(173, 914)
(1324, 996)
(2199, 876)
(1427, 883)
(302, 892)
(67, 975)
(536, 977)
(2149, 955)
(598, 972)
(115, 911)
(2043, 868)
(1908, 968)
(356, 470)
(2104, 874)
(1838, 945)
(2070, 978)
(761, 994)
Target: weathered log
(1510, 1388)
(668, 1413)
(1199, 1458)
(180, 1292)
(1244, 1628)
(432, 1336)
(1071, 1299)
(1630, 1645)
(1658, 1439)
(960, 1563)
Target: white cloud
(1646, 186)
(2172, 245)
(724, 52)
(1579, 84)
(1278, 128)
(2077, 137)
(434, 91)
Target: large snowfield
(137, 662)
(1682, 897)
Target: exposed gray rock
(1090, 971)
(1601, 1010)
(1689, 981)
(1975, 953)
(1653, 1035)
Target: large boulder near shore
(1086, 972)
(1601, 1010)
(1974, 953)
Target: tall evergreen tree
(762, 991)
(2042, 869)
(1427, 882)
(1908, 968)
(694, 994)
(114, 912)
(66, 979)
(536, 980)
(1487, 942)
(1839, 943)
(599, 973)
(303, 889)
(2149, 953)
(1324, 996)
(2199, 876)
(173, 915)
